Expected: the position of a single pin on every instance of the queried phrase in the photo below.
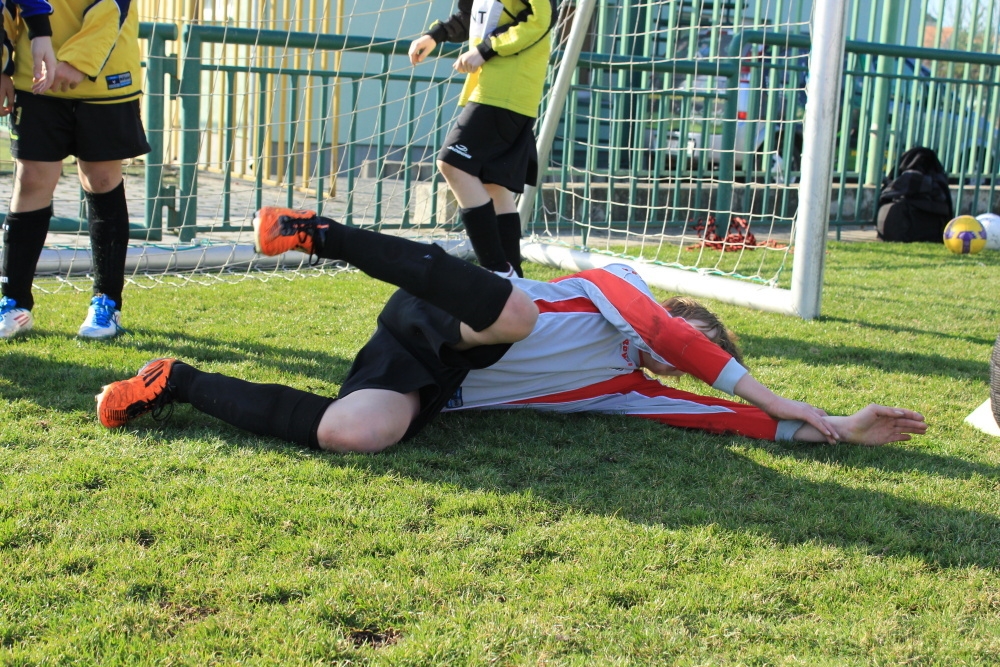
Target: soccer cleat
(14, 320)
(278, 230)
(121, 402)
(103, 319)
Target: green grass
(505, 538)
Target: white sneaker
(103, 319)
(14, 320)
(508, 273)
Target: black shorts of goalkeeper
(493, 144)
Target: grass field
(502, 538)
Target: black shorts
(411, 350)
(496, 145)
(49, 129)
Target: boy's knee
(36, 180)
(518, 317)
(367, 422)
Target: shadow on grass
(895, 328)
(199, 350)
(816, 354)
(657, 475)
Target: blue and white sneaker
(103, 319)
(14, 320)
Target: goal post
(826, 64)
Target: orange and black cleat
(121, 402)
(278, 230)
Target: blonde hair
(689, 309)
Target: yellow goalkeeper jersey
(98, 37)
(513, 36)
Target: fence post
(880, 110)
(157, 69)
(190, 93)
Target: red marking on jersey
(625, 345)
(739, 417)
(580, 304)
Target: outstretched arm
(872, 426)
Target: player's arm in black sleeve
(455, 28)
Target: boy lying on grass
(459, 337)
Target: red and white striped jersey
(583, 356)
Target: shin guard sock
(265, 409)
(509, 227)
(481, 227)
(23, 239)
(425, 270)
(107, 216)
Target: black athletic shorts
(49, 129)
(411, 350)
(496, 145)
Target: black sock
(107, 217)
(509, 227)
(425, 270)
(481, 227)
(23, 239)
(265, 409)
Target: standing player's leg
(107, 223)
(41, 137)
(479, 216)
(24, 231)
(105, 135)
(508, 224)
(487, 146)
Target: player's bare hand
(880, 425)
(469, 62)
(420, 48)
(6, 95)
(67, 77)
(43, 58)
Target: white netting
(644, 165)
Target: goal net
(680, 148)
(674, 134)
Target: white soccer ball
(991, 223)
